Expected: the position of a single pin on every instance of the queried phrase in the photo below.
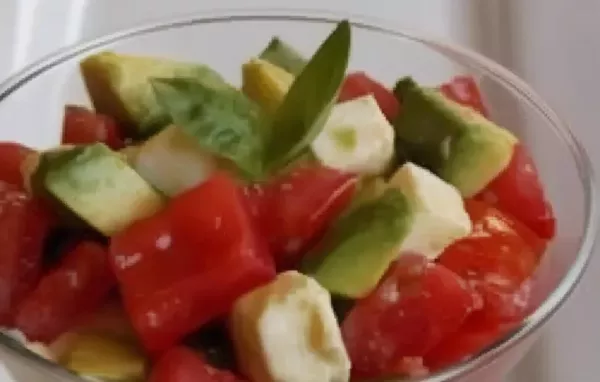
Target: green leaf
(307, 104)
(283, 55)
(223, 121)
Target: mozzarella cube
(172, 162)
(356, 138)
(287, 331)
(439, 213)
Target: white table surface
(553, 49)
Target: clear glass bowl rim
(467, 58)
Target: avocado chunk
(283, 55)
(455, 142)
(98, 186)
(368, 188)
(356, 252)
(119, 86)
(106, 358)
(265, 83)
(172, 161)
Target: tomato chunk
(473, 337)
(11, 156)
(358, 84)
(181, 364)
(296, 208)
(76, 287)
(83, 126)
(465, 91)
(186, 266)
(24, 226)
(518, 191)
(497, 260)
(415, 306)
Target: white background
(553, 44)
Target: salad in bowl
(308, 224)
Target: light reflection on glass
(24, 23)
(75, 17)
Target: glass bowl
(31, 107)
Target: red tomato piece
(76, 287)
(296, 208)
(181, 364)
(24, 226)
(359, 84)
(497, 260)
(11, 156)
(83, 126)
(465, 91)
(415, 306)
(518, 191)
(473, 337)
(187, 265)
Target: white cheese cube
(172, 162)
(287, 331)
(439, 213)
(356, 138)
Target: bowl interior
(31, 107)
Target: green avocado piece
(98, 186)
(369, 188)
(356, 252)
(265, 84)
(283, 55)
(455, 142)
(34, 169)
(119, 86)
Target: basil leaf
(307, 104)
(283, 55)
(223, 121)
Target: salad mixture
(312, 225)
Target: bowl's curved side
(461, 55)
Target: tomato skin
(24, 226)
(76, 287)
(185, 266)
(358, 84)
(181, 364)
(473, 337)
(465, 91)
(519, 192)
(415, 306)
(12, 155)
(83, 126)
(295, 209)
(497, 260)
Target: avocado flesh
(119, 86)
(34, 169)
(265, 83)
(453, 141)
(105, 357)
(357, 251)
(97, 185)
(283, 55)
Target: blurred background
(552, 44)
